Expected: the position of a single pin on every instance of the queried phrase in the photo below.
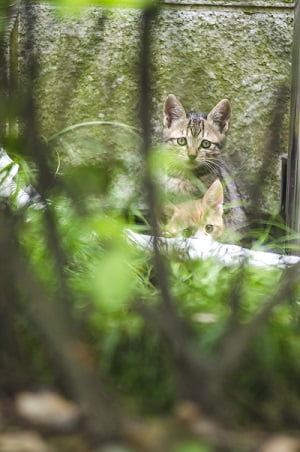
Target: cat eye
(181, 141)
(205, 144)
(209, 228)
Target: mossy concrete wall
(202, 51)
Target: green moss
(89, 71)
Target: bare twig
(52, 314)
(72, 354)
(145, 105)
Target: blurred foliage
(75, 5)
(108, 277)
(73, 237)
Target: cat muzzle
(192, 157)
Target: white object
(8, 185)
(205, 247)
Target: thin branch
(72, 354)
(150, 189)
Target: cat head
(199, 217)
(197, 136)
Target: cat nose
(192, 153)
(192, 156)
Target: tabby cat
(196, 140)
(198, 135)
(200, 216)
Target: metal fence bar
(293, 167)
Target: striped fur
(195, 140)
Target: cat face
(199, 217)
(198, 137)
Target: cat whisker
(204, 163)
(214, 163)
(210, 165)
(215, 160)
(207, 165)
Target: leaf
(112, 280)
(76, 5)
(193, 446)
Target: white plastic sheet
(8, 185)
(205, 247)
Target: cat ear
(220, 115)
(214, 197)
(173, 110)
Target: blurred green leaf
(108, 227)
(193, 446)
(112, 280)
(75, 5)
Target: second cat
(197, 217)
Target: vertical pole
(293, 166)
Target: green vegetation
(209, 351)
(110, 281)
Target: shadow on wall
(274, 143)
